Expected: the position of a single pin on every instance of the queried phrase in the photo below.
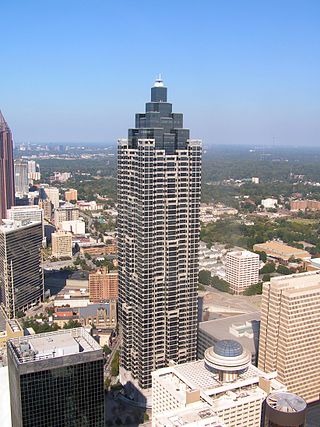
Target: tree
(205, 277)
(72, 324)
(282, 269)
(255, 289)
(266, 278)
(115, 364)
(106, 349)
(268, 268)
(262, 255)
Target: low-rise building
(67, 212)
(61, 244)
(96, 249)
(222, 389)
(302, 205)
(280, 251)
(269, 203)
(71, 195)
(244, 328)
(77, 227)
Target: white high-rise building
(224, 389)
(21, 177)
(242, 270)
(159, 186)
(52, 194)
(21, 213)
(290, 332)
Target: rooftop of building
(244, 328)
(52, 345)
(243, 254)
(297, 284)
(8, 225)
(282, 249)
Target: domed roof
(228, 348)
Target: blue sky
(241, 71)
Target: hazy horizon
(241, 72)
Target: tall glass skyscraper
(159, 185)
(6, 168)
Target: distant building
(95, 249)
(33, 171)
(60, 176)
(269, 203)
(290, 332)
(47, 207)
(56, 379)
(61, 244)
(21, 177)
(281, 251)
(52, 193)
(77, 227)
(242, 270)
(224, 389)
(21, 278)
(67, 212)
(255, 180)
(71, 195)
(244, 328)
(26, 213)
(302, 205)
(7, 188)
(103, 285)
(12, 329)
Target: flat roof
(9, 225)
(237, 328)
(282, 249)
(52, 344)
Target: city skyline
(67, 85)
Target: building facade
(224, 390)
(61, 244)
(52, 194)
(103, 285)
(71, 195)
(21, 177)
(67, 212)
(290, 332)
(6, 168)
(159, 180)
(21, 277)
(56, 379)
(242, 270)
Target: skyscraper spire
(6, 168)
(3, 123)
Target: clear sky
(241, 71)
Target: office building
(56, 379)
(52, 194)
(21, 177)
(67, 212)
(280, 251)
(61, 244)
(290, 332)
(242, 270)
(47, 207)
(33, 171)
(21, 278)
(284, 409)
(244, 328)
(159, 186)
(223, 389)
(103, 285)
(22, 213)
(71, 195)
(77, 227)
(6, 168)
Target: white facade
(77, 227)
(242, 270)
(53, 195)
(192, 395)
(269, 203)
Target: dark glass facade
(71, 396)
(6, 168)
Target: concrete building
(280, 251)
(7, 188)
(52, 194)
(33, 171)
(71, 195)
(158, 240)
(5, 409)
(269, 203)
(21, 177)
(224, 389)
(290, 332)
(27, 213)
(47, 207)
(56, 379)
(21, 277)
(302, 205)
(242, 270)
(244, 328)
(283, 409)
(67, 212)
(77, 227)
(61, 244)
(12, 329)
(103, 285)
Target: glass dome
(228, 348)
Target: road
(115, 347)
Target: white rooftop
(9, 225)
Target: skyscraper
(6, 168)
(290, 332)
(21, 177)
(159, 183)
(21, 278)
(56, 379)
